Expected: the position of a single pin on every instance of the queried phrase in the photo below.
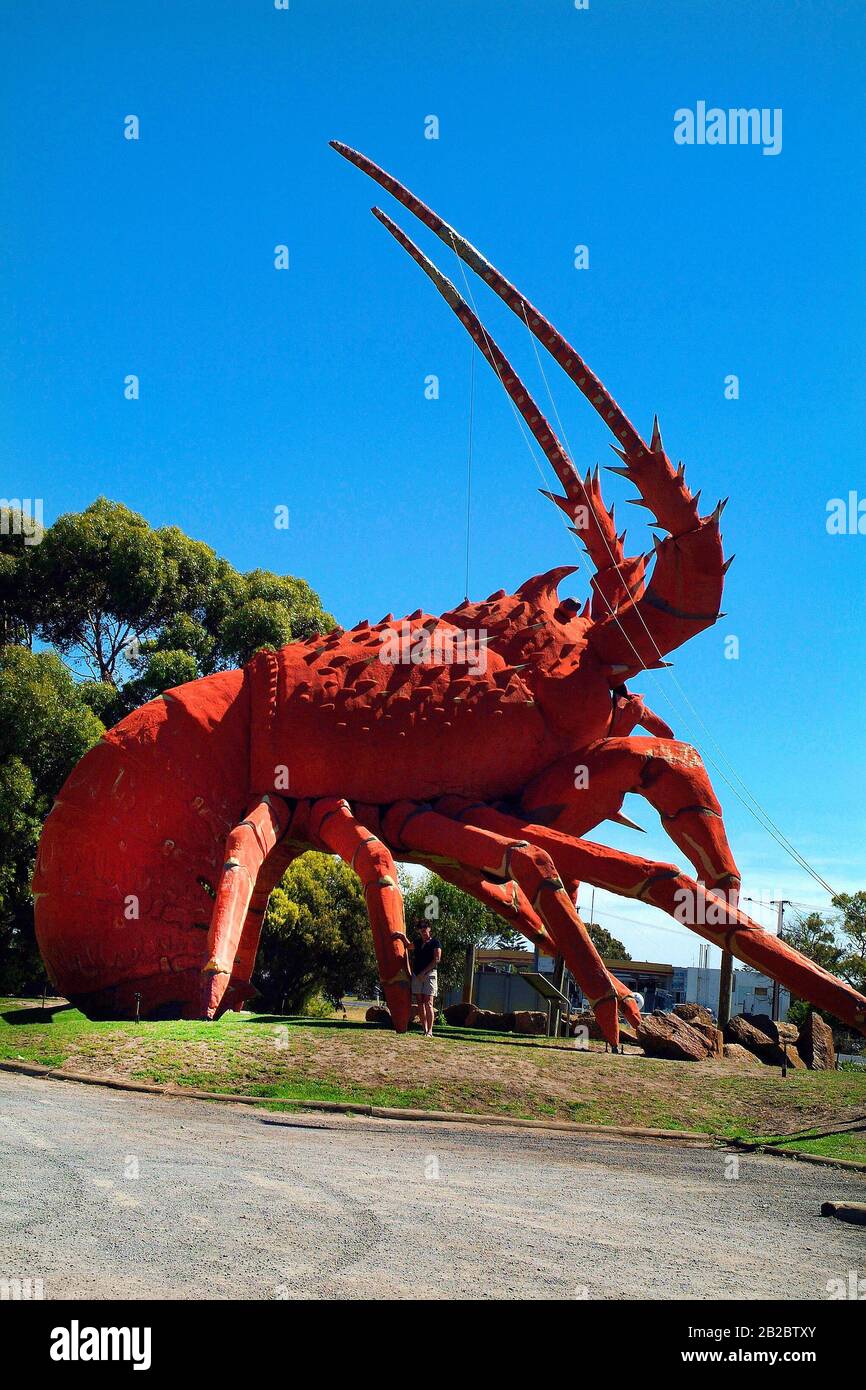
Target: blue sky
(306, 387)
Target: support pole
(469, 976)
(555, 1005)
(780, 918)
(726, 979)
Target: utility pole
(726, 978)
(780, 904)
(469, 976)
(555, 1016)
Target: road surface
(113, 1195)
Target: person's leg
(428, 1014)
(419, 1002)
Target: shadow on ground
(451, 1034)
(34, 1015)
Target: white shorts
(426, 985)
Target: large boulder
(470, 1016)
(714, 1036)
(815, 1044)
(739, 1030)
(733, 1052)
(775, 1029)
(529, 1021)
(492, 1021)
(668, 1035)
(743, 1030)
(461, 1015)
(586, 1020)
(694, 1013)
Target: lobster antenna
(647, 465)
(569, 359)
(469, 468)
(598, 540)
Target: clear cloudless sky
(306, 387)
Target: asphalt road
(113, 1195)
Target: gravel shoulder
(110, 1195)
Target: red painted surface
(486, 743)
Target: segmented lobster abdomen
(345, 720)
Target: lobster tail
(132, 850)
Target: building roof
(644, 967)
(505, 956)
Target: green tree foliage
(102, 579)
(45, 727)
(608, 947)
(458, 920)
(316, 937)
(261, 609)
(836, 942)
(129, 611)
(815, 936)
(140, 609)
(852, 906)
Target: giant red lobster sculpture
(486, 744)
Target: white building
(751, 993)
(663, 986)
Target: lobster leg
(506, 898)
(669, 774)
(570, 943)
(712, 917)
(510, 902)
(247, 847)
(335, 828)
(428, 831)
(272, 870)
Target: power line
(649, 926)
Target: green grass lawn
(296, 1060)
